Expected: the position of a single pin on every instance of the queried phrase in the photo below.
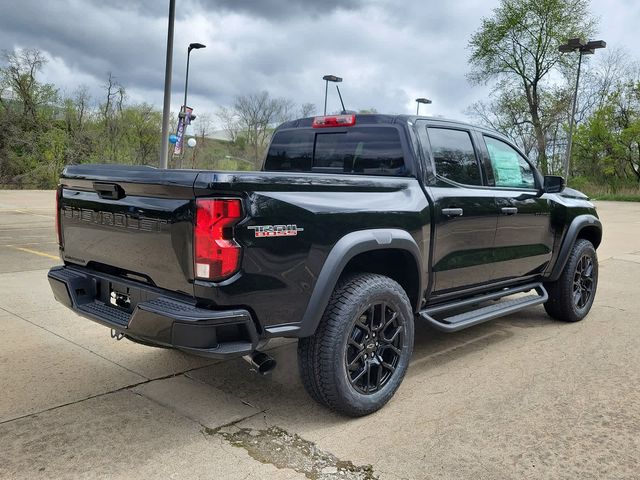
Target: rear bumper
(157, 316)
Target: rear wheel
(360, 352)
(571, 296)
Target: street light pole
(183, 110)
(327, 79)
(326, 91)
(588, 48)
(192, 46)
(166, 106)
(426, 101)
(572, 120)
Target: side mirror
(553, 184)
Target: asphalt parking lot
(521, 397)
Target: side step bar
(484, 314)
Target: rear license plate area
(120, 297)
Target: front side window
(454, 156)
(510, 169)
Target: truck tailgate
(134, 222)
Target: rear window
(368, 151)
(291, 150)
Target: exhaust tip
(261, 362)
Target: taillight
(216, 253)
(334, 121)
(58, 226)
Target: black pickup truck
(357, 226)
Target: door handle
(452, 212)
(509, 210)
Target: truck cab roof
(380, 118)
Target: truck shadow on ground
(281, 394)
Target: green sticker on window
(506, 166)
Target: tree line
(515, 52)
(41, 130)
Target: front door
(524, 236)
(465, 217)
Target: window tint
(364, 150)
(290, 150)
(510, 169)
(369, 151)
(454, 156)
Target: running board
(484, 314)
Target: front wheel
(571, 296)
(359, 354)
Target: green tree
(607, 145)
(517, 47)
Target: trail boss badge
(275, 230)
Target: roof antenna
(344, 110)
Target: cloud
(388, 52)
(281, 9)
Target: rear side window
(454, 155)
(290, 150)
(367, 151)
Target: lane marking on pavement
(22, 244)
(36, 252)
(34, 214)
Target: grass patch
(623, 192)
(616, 197)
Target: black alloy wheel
(572, 294)
(374, 348)
(360, 351)
(583, 285)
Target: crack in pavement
(284, 450)
(98, 395)
(78, 345)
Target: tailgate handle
(110, 191)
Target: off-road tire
(562, 304)
(323, 357)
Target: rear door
(465, 213)
(524, 236)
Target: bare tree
(229, 121)
(307, 109)
(112, 87)
(256, 115)
(600, 79)
(19, 75)
(202, 129)
(111, 110)
(81, 101)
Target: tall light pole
(192, 46)
(577, 45)
(426, 101)
(166, 106)
(185, 120)
(327, 79)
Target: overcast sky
(388, 51)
